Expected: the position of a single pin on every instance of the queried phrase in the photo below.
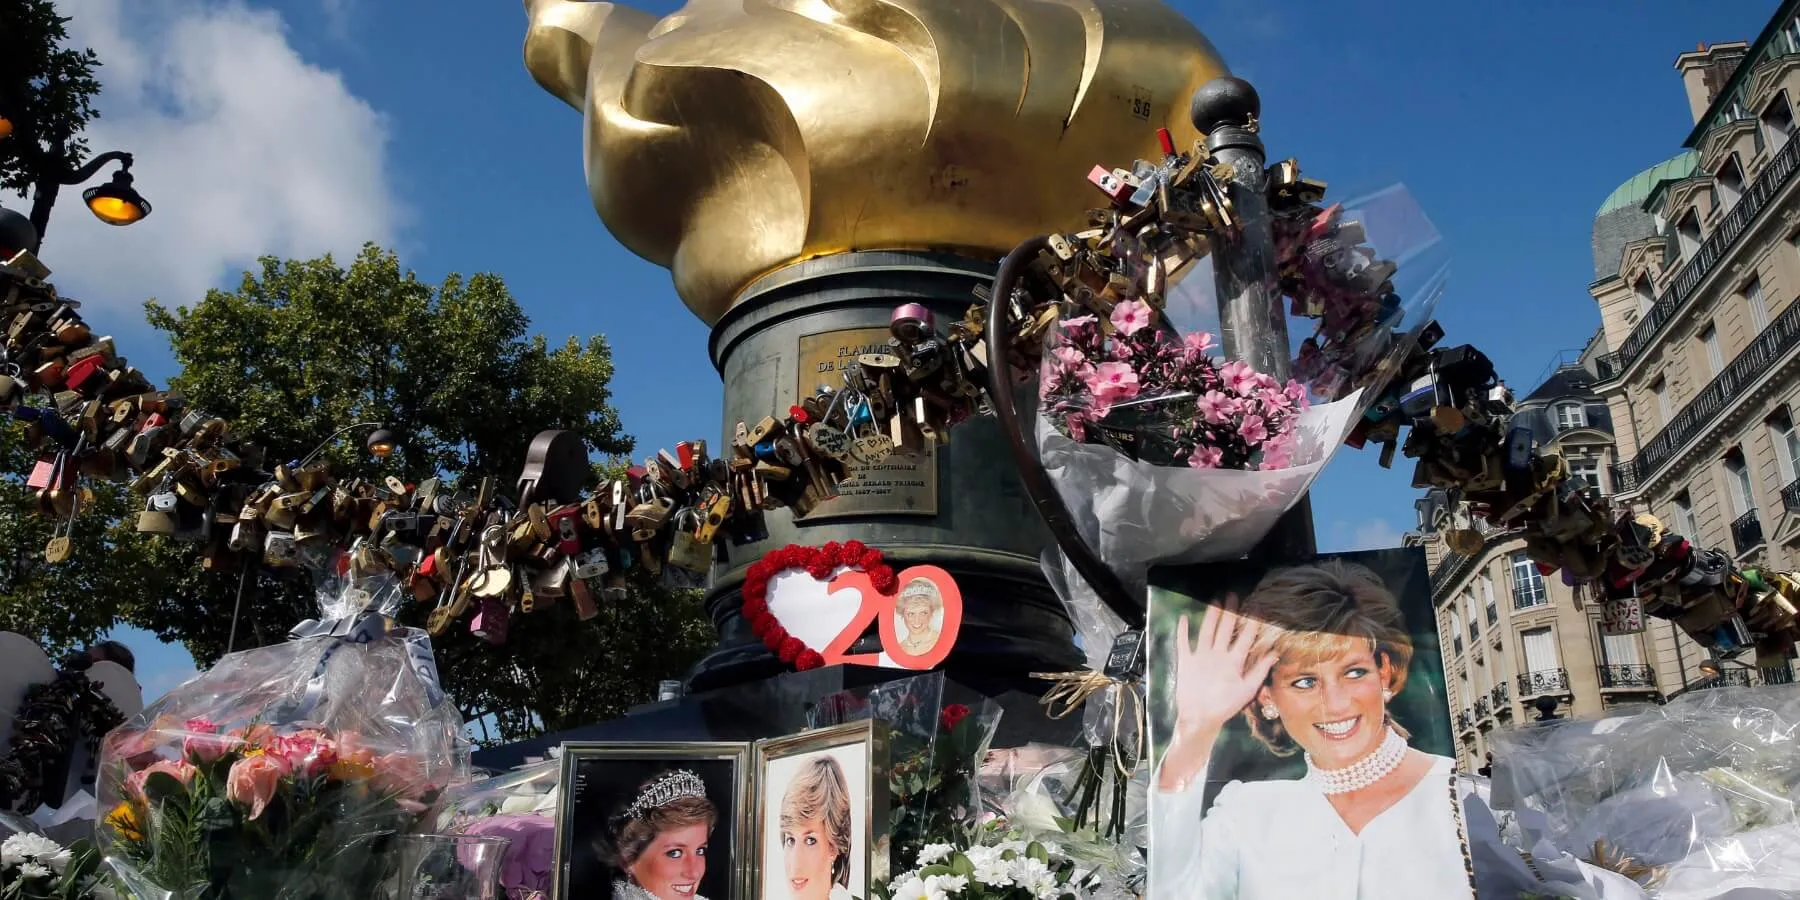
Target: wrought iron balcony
(1713, 250)
(1526, 596)
(1790, 496)
(1481, 708)
(1782, 675)
(1465, 722)
(1543, 681)
(1498, 697)
(1747, 532)
(1763, 354)
(1734, 678)
(1612, 676)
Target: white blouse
(1282, 840)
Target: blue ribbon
(365, 627)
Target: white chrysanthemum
(1035, 878)
(24, 846)
(991, 870)
(913, 887)
(935, 852)
(33, 870)
(945, 885)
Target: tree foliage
(47, 91)
(304, 348)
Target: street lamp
(381, 443)
(6, 127)
(115, 202)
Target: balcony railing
(1790, 496)
(1747, 532)
(1526, 596)
(1481, 708)
(1612, 676)
(1498, 697)
(1464, 721)
(1783, 675)
(1716, 248)
(1757, 360)
(1543, 681)
(1734, 678)
(1454, 566)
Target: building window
(1469, 611)
(1587, 470)
(1456, 632)
(1570, 414)
(1684, 517)
(1664, 408)
(1528, 585)
(1715, 358)
(1646, 296)
(1738, 482)
(1687, 235)
(1758, 305)
(1787, 445)
(1777, 122)
(1620, 650)
(1539, 645)
(1731, 184)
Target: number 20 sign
(918, 623)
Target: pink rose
(400, 775)
(202, 725)
(206, 748)
(309, 754)
(1252, 430)
(1131, 317)
(253, 781)
(255, 736)
(1112, 382)
(1205, 457)
(351, 749)
(174, 768)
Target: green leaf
(217, 814)
(1036, 851)
(960, 865)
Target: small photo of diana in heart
(1300, 733)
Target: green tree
(47, 92)
(299, 350)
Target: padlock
(280, 549)
(491, 621)
(564, 523)
(582, 598)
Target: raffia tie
(1070, 691)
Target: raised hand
(729, 138)
(1215, 678)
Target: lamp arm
(334, 436)
(93, 166)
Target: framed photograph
(653, 821)
(822, 813)
(1301, 733)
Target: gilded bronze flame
(735, 137)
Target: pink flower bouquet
(252, 812)
(1162, 399)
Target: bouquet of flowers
(1162, 399)
(34, 867)
(993, 866)
(253, 813)
(520, 806)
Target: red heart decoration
(819, 562)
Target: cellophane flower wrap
(1042, 792)
(1693, 800)
(1166, 449)
(520, 806)
(287, 771)
(35, 867)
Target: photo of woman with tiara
(651, 822)
(1303, 736)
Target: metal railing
(1757, 360)
(1498, 696)
(1543, 681)
(1790, 496)
(1783, 675)
(1454, 566)
(1481, 708)
(1747, 532)
(1464, 721)
(1614, 676)
(1525, 598)
(1712, 251)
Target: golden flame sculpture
(735, 137)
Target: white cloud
(1374, 534)
(242, 147)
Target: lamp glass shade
(1711, 668)
(116, 202)
(382, 443)
(6, 127)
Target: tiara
(666, 789)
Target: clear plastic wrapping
(1691, 800)
(520, 806)
(1039, 791)
(287, 771)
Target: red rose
(882, 577)
(830, 551)
(790, 650)
(855, 550)
(870, 560)
(954, 713)
(808, 659)
(755, 606)
(760, 625)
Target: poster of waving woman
(1303, 739)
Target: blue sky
(309, 125)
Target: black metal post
(1252, 322)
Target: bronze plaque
(900, 486)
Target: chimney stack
(1705, 72)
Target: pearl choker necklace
(1362, 773)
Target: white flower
(25, 846)
(1036, 878)
(914, 888)
(992, 870)
(33, 870)
(934, 852)
(944, 885)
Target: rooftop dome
(1622, 218)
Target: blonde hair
(1320, 612)
(920, 590)
(821, 792)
